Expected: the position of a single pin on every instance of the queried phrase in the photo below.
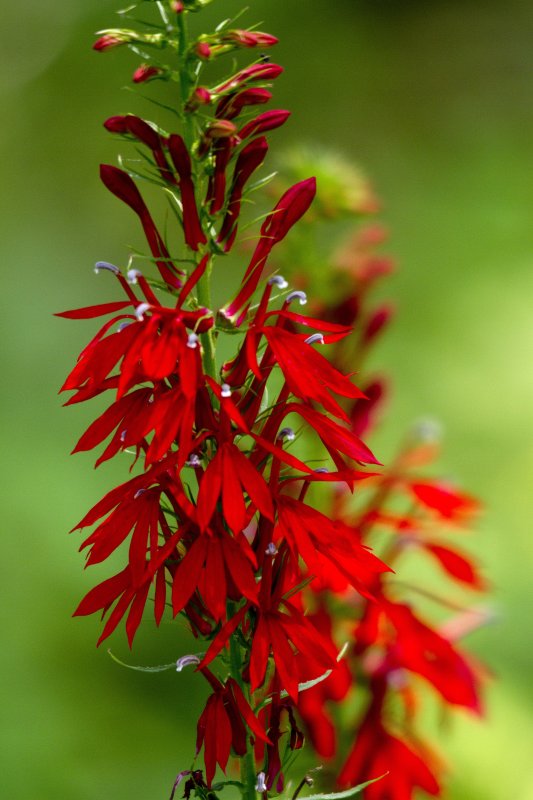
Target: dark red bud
(200, 97)
(145, 72)
(231, 105)
(108, 41)
(221, 129)
(203, 51)
(363, 411)
(249, 38)
(257, 72)
(267, 121)
(116, 124)
(376, 323)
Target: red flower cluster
(219, 521)
(393, 644)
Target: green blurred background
(435, 101)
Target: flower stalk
(266, 551)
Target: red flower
(219, 567)
(192, 228)
(422, 650)
(231, 105)
(309, 375)
(310, 535)
(312, 704)
(223, 725)
(377, 753)
(229, 475)
(145, 133)
(256, 72)
(122, 186)
(287, 212)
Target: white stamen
(321, 470)
(192, 341)
(260, 785)
(186, 661)
(287, 433)
(123, 436)
(133, 275)
(315, 337)
(193, 461)
(427, 430)
(397, 679)
(271, 549)
(123, 325)
(140, 310)
(301, 296)
(279, 281)
(225, 390)
(105, 265)
(138, 493)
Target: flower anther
(297, 295)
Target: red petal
(104, 594)
(188, 573)
(448, 503)
(89, 312)
(222, 637)
(457, 565)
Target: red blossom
(223, 725)
(377, 753)
(194, 235)
(122, 186)
(292, 206)
(146, 72)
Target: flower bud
(203, 51)
(177, 6)
(108, 41)
(249, 38)
(256, 72)
(267, 121)
(145, 72)
(231, 105)
(118, 124)
(221, 129)
(200, 97)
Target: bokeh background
(434, 100)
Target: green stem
(203, 294)
(185, 79)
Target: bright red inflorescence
(219, 522)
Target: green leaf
(346, 793)
(160, 668)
